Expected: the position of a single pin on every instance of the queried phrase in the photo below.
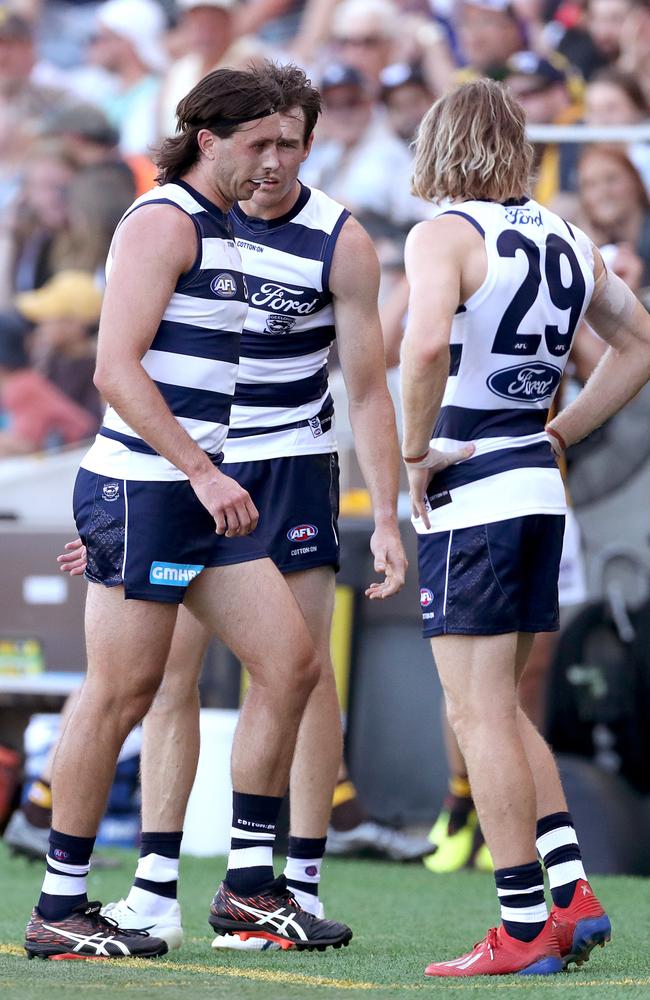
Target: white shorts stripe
(444, 603)
(569, 871)
(561, 837)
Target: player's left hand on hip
(421, 473)
(386, 546)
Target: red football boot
(498, 954)
(581, 925)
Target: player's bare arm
(620, 320)
(434, 256)
(354, 281)
(128, 325)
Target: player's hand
(73, 560)
(421, 473)
(386, 546)
(234, 513)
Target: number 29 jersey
(508, 348)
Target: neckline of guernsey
(256, 225)
(208, 205)
(508, 203)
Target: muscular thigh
(127, 640)
(314, 591)
(478, 672)
(251, 609)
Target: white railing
(589, 133)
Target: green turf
(402, 918)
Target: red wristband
(557, 436)
(420, 458)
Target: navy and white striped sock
(302, 870)
(557, 846)
(250, 862)
(155, 885)
(521, 895)
(64, 885)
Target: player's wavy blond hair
(471, 144)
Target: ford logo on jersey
(302, 533)
(532, 382)
(426, 597)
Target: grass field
(402, 918)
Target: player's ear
(308, 145)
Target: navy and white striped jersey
(509, 345)
(282, 402)
(194, 354)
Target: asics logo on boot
(279, 920)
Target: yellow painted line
(299, 979)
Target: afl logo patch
(302, 533)
(426, 597)
(224, 285)
(532, 382)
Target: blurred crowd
(88, 89)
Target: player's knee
(471, 718)
(125, 703)
(305, 669)
(175, 693)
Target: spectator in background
(35, 413)
(24, 104)
(210, 30)
(35, 219)
(551, 94)
(98, 197)
(615, 205)
(93, 143)
(635, 45)
(489, 32)
(129, 44)
(616, 98)
(62, 345)
(597, 40)
(363, 36)
(356, 159)
(406, 97)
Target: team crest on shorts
(224, 285)
(111, 492)
(426, 597)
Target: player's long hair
(471, 145)
(220, 102)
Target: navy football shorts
(298, 501)
(492, 578)
(151, 537)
